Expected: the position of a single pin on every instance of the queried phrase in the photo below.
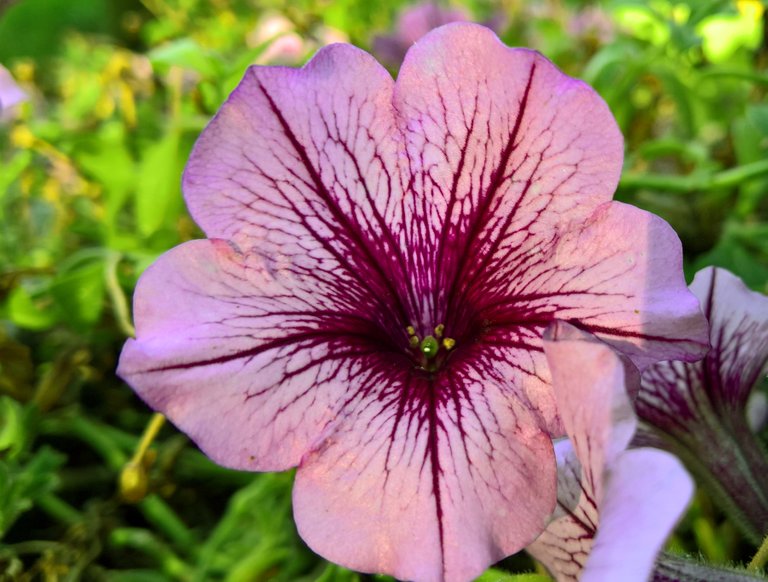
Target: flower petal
(593, 403)
(646, 494)
(518, 163)
(10, 92)
(699, 408)
(738, 318)
(615, 507)
(563, 547)
(301, 166)
(250, 363)
(428, 479)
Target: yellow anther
(411, 330)
(414, 341)
(439, 331)
(448, 343)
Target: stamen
(439, 331)
(448, 343)
(413, 339)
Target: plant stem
(761, 557)
(58, 509)
(90, 433)
(153, 427)
(144, 541)
(116, 295)
(696, 183)
(672, 568)
(160, 514)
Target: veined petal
(428, 479)
(495, 151)
(513, 165)
(250, 363)
(615, 507)
(563, 547)
(738, 318)
(301, 165)
(699, 408)
(288, 382)
(594, 404)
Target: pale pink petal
(590, 381)
(248, 361)
(646, 493)
(519, 163)
(430, 492)
(301, 166)
(615, 507)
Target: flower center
(431, 351)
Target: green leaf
(12, 170)
(33, 310)
(79, 293)
(732, 254)
(21, 485)
(184, 53)
(108, 161)
(158, 183)
(750, 140)
(13, 426)
(724, 34)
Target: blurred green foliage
(89, 195)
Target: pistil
(430, 347)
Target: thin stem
(59, 509)
(90, 433)
(160, 514)
(145, 542)
(696, 183)
(761, 557)
(116, 295)
(150, 433)
(672, 568)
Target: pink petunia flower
(615, 507)
(700, 409)
(382, 259)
